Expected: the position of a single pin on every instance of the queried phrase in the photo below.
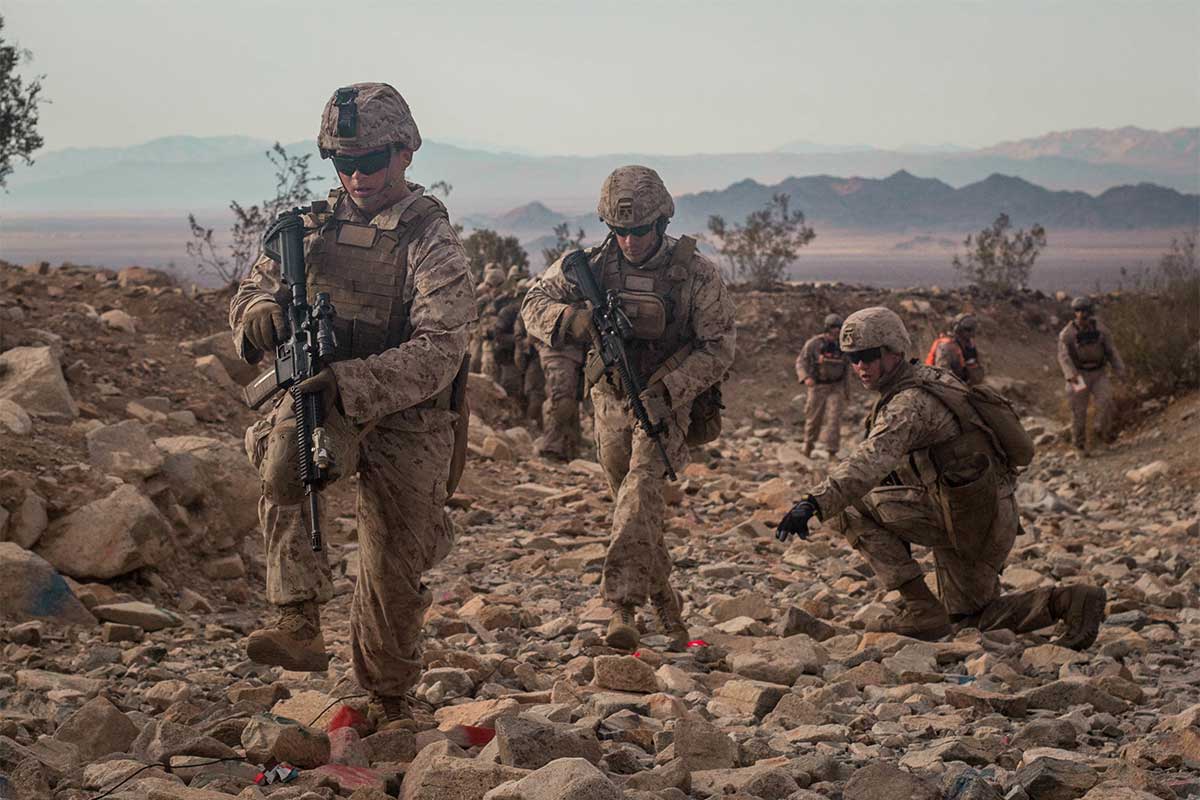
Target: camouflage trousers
(403, 530)
(969, 586)
(1099, 391)
(475, 348)
(637, 564)
(824, 405)
(561, 432)
(533, 391)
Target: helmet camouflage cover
(1082, 304)
(833, 321)
(633, 196)
(874, 327)
(366, 116)
(964, 322)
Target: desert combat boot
(669, 608)
(922, 615)
(294, 642)
(622, 628)
(1081, 608)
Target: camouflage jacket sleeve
(442, 311)
(949, 356)
(714, 334)
(260, 286)
(1066, 355)
(1110, 348)
(911, 420)
(806, 362)
(546, 303)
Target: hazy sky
(602, 77)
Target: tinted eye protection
(640, 230)
(367, 164)
(865, 356)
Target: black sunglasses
(640, 230)
(867, 356)
(367, 164)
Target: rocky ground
(130, 571)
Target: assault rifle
(612, 329)
(310, 342)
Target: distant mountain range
(184, 173)
(899, 202)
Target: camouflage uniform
(401, 342)
(1084, 352)
(888, 495)
(678, 360)
(823, 361)
(529, 367)
(563, 370)
(504, 312)
(955, 351)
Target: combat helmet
(833, 321)
(515, 271)
(873, 327)
(632, 196)
(1082, 303)
(366, 116)
(964, 323)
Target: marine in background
(955, 350)
(682, 343)
(1086, 352)
(823, 369)
(937, 469)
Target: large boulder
(230, 485)
(97, 728)
(529, 743)
(220, 344)
(107, 537)
(564, 779)
(441, 771)
(32, 378)
(31, 589)
(123, 450)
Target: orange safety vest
(932, 356)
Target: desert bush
(485, 245)
(998, 261)
(759, 250)
(250, 222)
(1155, 321)
(563, 241)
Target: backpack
(1000, 421)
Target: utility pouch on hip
(593, 369)
(705, 423)
(967, 496)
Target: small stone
(563, 779)
(1055, 779)
(143, 615)
(270, 738)
(700, 745)
(624, 674)
(796, 620)
(880, 781)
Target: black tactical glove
(263, 326)
(796, 520)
